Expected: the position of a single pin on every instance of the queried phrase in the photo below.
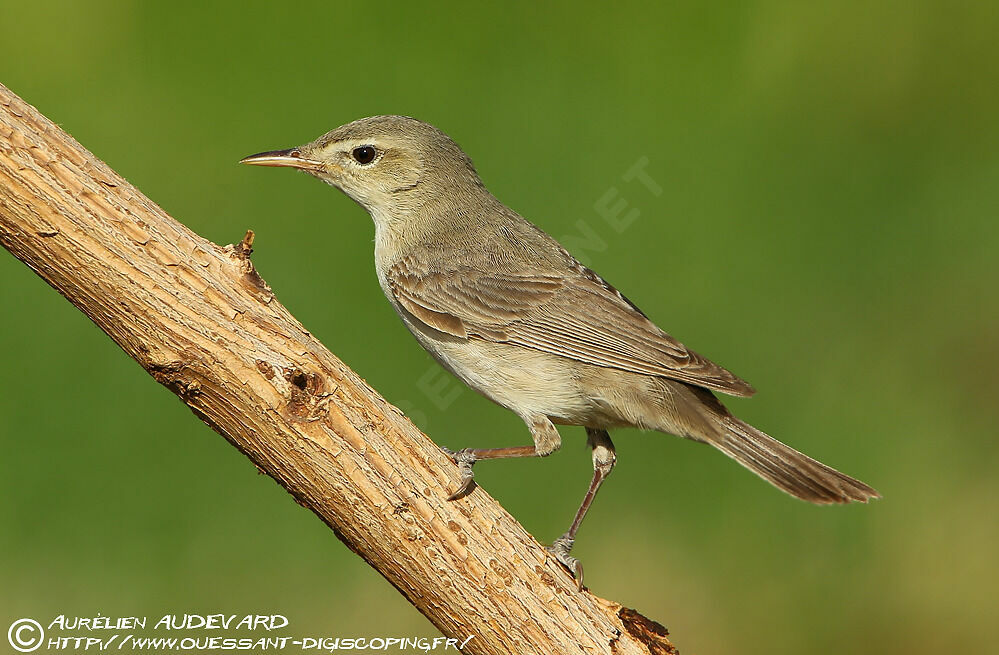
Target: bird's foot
(560, 549)
(464, 458)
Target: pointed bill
(291, 158)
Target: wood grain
(203, 323)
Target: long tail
(786, 468)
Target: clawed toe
(464, 459)
(560, 549)
(467, 484)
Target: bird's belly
(525, 381)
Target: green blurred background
(827, 230)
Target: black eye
(364, 154)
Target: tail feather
(786, 468)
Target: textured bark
(201, 321)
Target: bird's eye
(364, 154)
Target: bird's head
(389, 165)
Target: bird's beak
(292, 158)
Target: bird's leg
(546, 441)
(604, 459)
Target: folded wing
(577, 315)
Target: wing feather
(577, 315)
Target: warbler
(504, 307)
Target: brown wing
(578, 316)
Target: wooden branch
(201, 321)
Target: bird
(509, 311)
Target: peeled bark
(203, 323)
